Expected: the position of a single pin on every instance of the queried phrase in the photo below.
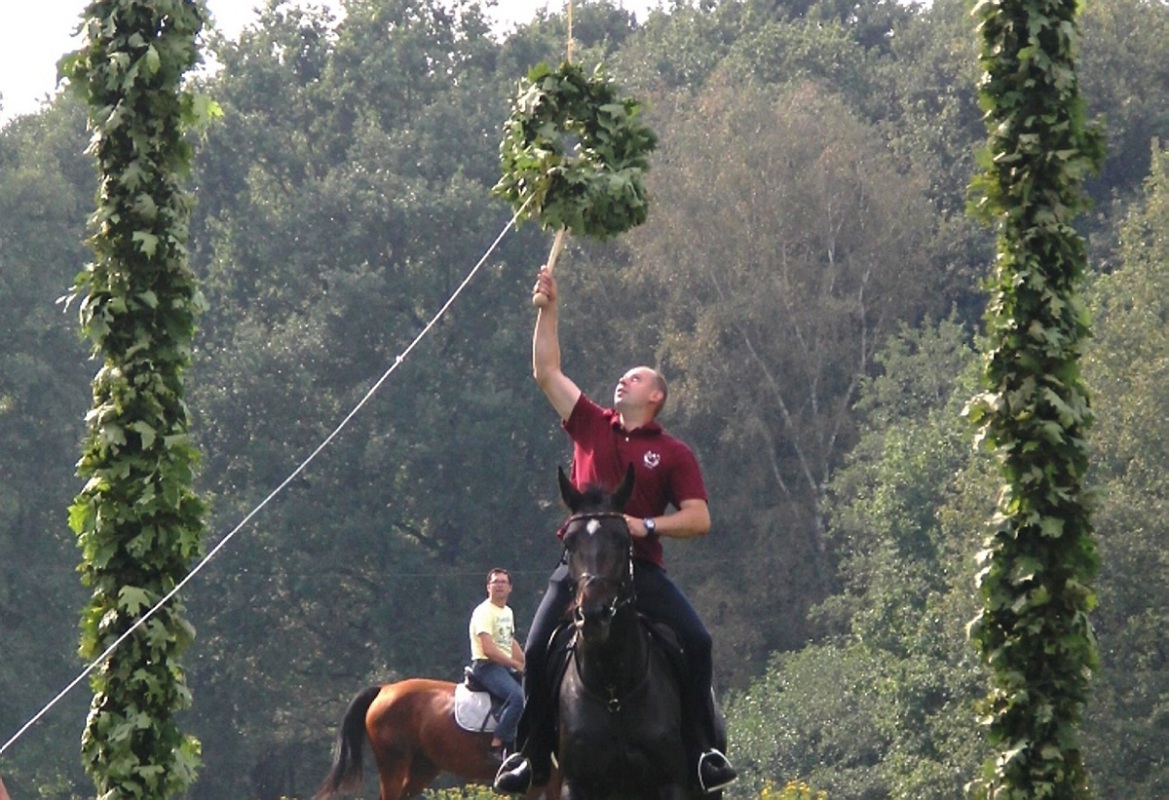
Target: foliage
(599, 191)
(469, 792)
(1033, 630)
(392, 527)
(45, 187)
(1121, 58)
(137, 519)
(792, 790)
(883, 707)
(794, 53)
(1126, 367)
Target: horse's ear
(572, 498)
(624, 491)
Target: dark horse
(620, 709)
(411, 728)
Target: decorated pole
(1033, 631)
(138, 520)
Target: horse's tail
(345, 774)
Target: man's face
(499, 588)
(634, 389)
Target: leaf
(147, 242)
(112, 434)
(133, 600)
(200, 110)
(81, 516)
(152, 60)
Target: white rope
(303, 465)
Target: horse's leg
(420, 774)
(393, 769)
(549, 791)
(569, 792)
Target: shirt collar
(651, 428)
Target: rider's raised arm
(560, 390)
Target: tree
(45, 186)
(137, 519)
(1127, 369)
(879, 708)
(1033, 631)
(783, 246)
(1123, 79)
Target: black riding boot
(705, 742)
(531, 766)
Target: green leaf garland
(596, 186)
(1033, 631)
(138, 519)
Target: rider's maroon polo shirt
(665, 470)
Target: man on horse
(605, 443)
(495, 654)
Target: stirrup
(722, 774)
(514, 775)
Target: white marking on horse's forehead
(593, 526)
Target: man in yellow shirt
(495, 654)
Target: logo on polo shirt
(651, 459)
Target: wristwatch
(650, 525)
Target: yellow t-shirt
(497, 622)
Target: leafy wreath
(598, 188)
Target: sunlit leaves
(593, 185)
(138, 521)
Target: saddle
(667, 640)
(476, 709)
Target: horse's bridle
(625, 594)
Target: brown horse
(411, 728)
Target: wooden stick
(568, 47)
(540, 300)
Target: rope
(303, 465)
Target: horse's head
(598, 546)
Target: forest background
(808, 279)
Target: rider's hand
(636, 527)
(546, 286)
